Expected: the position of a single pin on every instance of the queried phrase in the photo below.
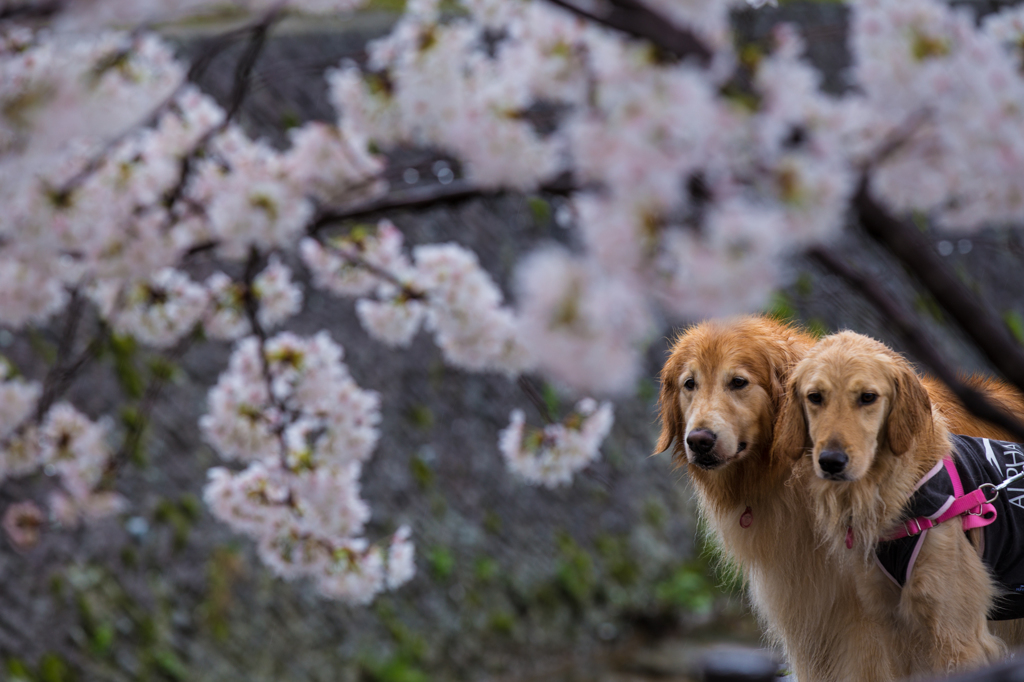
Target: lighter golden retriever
(871, 432)
(721, 390)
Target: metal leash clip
(997, 488)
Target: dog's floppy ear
(672, 426)
(791, 437)
(911, 410)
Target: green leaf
(1015, 323)
(540, 209)
(441, 562)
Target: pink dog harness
(988, 468)
(973, 507)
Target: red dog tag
(746, 518)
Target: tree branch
(64, 369)
(911, 247)
(425, 197)
(635, 19)
(31, 10)
(247, 62)
(917, 342)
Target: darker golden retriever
(721, 390)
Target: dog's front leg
(945, 602)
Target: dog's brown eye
(689, 384)
(814, 398)
(738, 382)
(868, 398)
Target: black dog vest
(978, 461)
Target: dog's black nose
(833, 461)
(701, 441)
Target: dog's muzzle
(833, 465)
(701, 443)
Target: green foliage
(396, 6)
(920, 219)
(396, 669)
(52, 668)
(689, 588)
(167, 662)
(421, 416)
(290, 119)
(804, 284)
(180, 515)
(816, 327)
(17, 671)
(1015, 323)
(101, 639)
(124, 351)
(134, 434)
(575, 571)
(223, 570)
(501, 622)
(441, 562)
(41, 347)
(646, 390)
(655, 513)
(781, 307)
(540, 209)
(437, 373)
(412, 648)
(422, 472)
(492, 522)
(927, 305)
(162, 369)
(485, 569)
(614, 551)
(551, 399)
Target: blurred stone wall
(513, 582)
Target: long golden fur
(867, 422)
(800, 592)
(817, 619)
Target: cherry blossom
(551, 456)
(687, 183)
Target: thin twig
(61, 373)
(259, 29)
(636, 19)
(918, 343)
(247, 62)
(536, 398)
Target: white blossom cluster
(289, 410)
(696, 196)
(442, 286)
(65, 444)
(550, 457)
(926, 59)
(692, 179)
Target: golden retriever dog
(721, 389)
(872, 433)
